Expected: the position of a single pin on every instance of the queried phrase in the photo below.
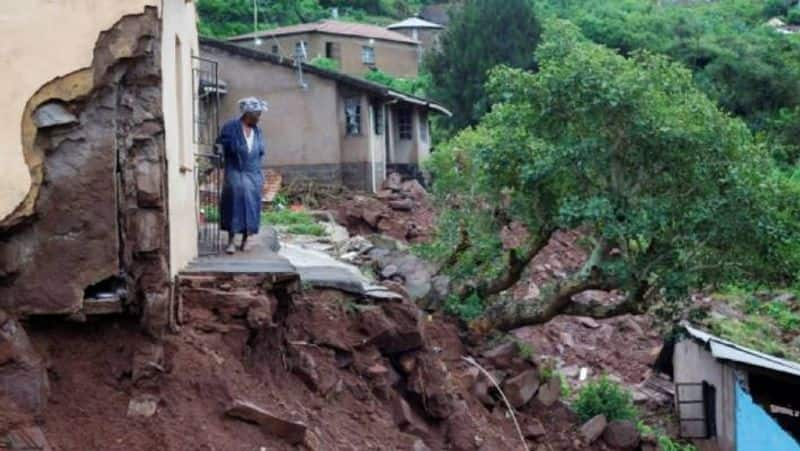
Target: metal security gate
(207, 90)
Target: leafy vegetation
(481, 35)
(326, 63)
(751, 70)
(610, 144)
(665, 443)
(604, 397)
(414, 86)
(295, 222)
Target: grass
(767, 324)
(294, 222)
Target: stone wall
(97, 149)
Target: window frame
(405, 131)
(352, 127)
(365, 51)
(378, 118)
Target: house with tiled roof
(419, 29)
(357, 47)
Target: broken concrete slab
(294, 432)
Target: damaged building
(97, 198)
(325, 125)
(732, 398)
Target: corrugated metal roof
(727, 350)
(414, 22)
(333, 27)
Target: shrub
(466, 309)
(603, 396)
(326, 63)
(794, 16)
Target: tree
(670, 192)
(481, 34)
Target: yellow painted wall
(47, 39)
(179, 25)
(42, 40)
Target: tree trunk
(553, 299)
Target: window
(352, 114)
(275, 49)
(332, 50)
(404, 123)
(368, 55)
(377, 113)
(423, 129)
(301, 50)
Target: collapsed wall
(95, 217)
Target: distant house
(357, 47)
(325, 125)
(420, 30)
(732, 398)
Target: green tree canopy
(670, 192)
(481, 35)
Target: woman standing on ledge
(243, 147)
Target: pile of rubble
(400, 209)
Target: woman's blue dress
(240, 206)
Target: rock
(407, 363)
(394, 182)
(393, 328)
(28, 438)
(550, 392)
(521, 388)
(382, 241)
(430, 382)
(588, 322)
(621, 434)
(372, 216)
(148, 178)
(481, 389)
(294, 432)
(414, 189)
(142, 406)
(630, 325)
(566, 339)
(23, 372)
(402, 204)
(419, 445)
(388, 271)
(534, 429)
(305, 367)
(593, 429)
(336, 233)
(52, 114)
(438, 294)
(148, 362)
(357, 244)
(462, 430)
(502, 355)
(407, 420)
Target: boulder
(429, 381)
(402, 204)
(414, 189)
(621, 434)
(550, 391)
(294, 432)
(394, 182)
(534, 429)
(501, 356)
(521, 388)
(462, 430)
(593, 429)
